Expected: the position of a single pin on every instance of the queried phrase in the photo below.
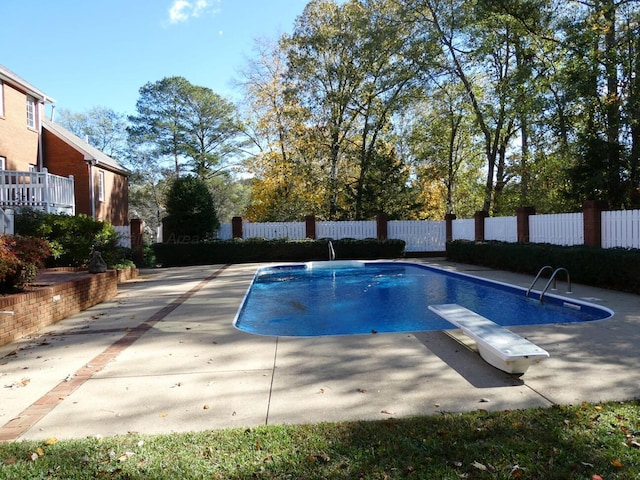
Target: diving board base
(498, 346)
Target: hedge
(613, 268)
(280, 250)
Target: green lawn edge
(586, 441)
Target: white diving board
(498, 346)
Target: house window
(3, 163)
(1, 99)
(31, 112)
(100, 186)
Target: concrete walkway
(164, 357)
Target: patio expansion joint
(17, 426)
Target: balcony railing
(37, 190)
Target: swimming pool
(353, 297)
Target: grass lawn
(587, 441)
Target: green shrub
(190, 210)
(72, 239)
(278, 250)
(613, 268)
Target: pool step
(498, 346)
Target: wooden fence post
(310, 226)
(137, 241)
(592, 219)
(522, 220)
(448, 222)
(236, 227)
(381, 226)
(479, 217)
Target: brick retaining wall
(28, 312)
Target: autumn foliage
(20, 259)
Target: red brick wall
(45, 306)
(18, 143)
(62, 159)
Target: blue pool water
(345, 298)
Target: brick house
(44, 166)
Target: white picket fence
(502, 229)
(358, 230)
(619, 229)
(464, 229)
(557, 229)
(271, 230)
(420, 236)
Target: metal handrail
(332, 252)
(537, 277)
(553, 279)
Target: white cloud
(183, 10)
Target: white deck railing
(38, 190)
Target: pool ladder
(552, 279)
(332, 252)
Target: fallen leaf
(34, 456)
(163, 414)
(322, 456)
(205, 407)
(10, 461)
(362, 390)
(125, 456)
(595, 476)
(40, 451)
(51, 441)
(258, 446)
(479, 466)
(387, 412)
(616, 463)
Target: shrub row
(613, 268)
(73, 239)
(262, 250)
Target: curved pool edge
(564, 301)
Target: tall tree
(285, 185)
(348, 69)
(102, 127)
(212, 134)
(478, 46)
(601, 37)
(159, 123)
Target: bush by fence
(277, 250)
(613, 268)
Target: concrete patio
(163, 356)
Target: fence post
(135, 233)
(522, 221)
(479, 217)
(448, 222)
(236, 227)
(310, 226)
(381, 226)
(592, 219)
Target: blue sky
(87, 53)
